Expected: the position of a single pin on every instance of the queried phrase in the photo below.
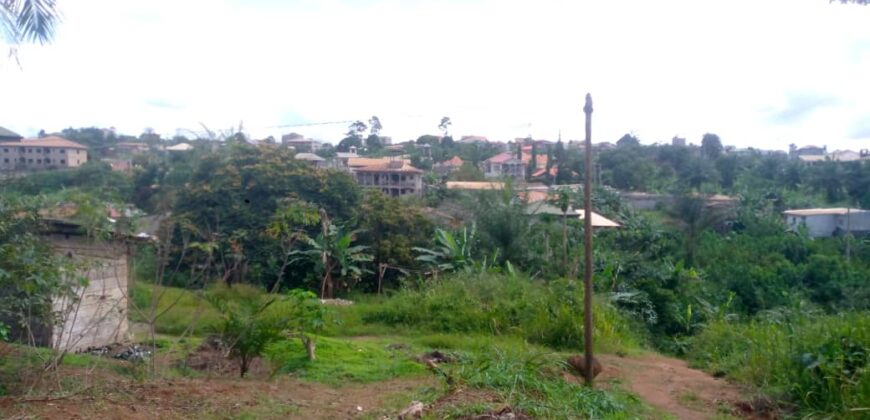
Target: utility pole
(587, 231)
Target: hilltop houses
(825, 222)
(394, 177)
(41, 154)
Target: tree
(373, 142)
(28, 20)
(628, 140)
(444, 125)
(347, 143)
(533, 162)
(355, 129)
(563, 201)
(376, 126)
(334, 254)
(711, 146)
(451, 252)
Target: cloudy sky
(758, 73)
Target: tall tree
(628, 140)
(375, 125)
(444, 125)
(711, 146)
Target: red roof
(50, 141)
(527, 157)
(392, 166)
(454, 161)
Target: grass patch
(549, 314)
(822, 363)
(339, 361)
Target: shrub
(821, 362)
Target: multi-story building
(395, 178)
(41, 154)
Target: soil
(667, 384)
(673, 387)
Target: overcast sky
(758, 73)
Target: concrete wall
(35, 157)
(825, 225)
(99, 314)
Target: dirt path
(225, 398)
(672, 386)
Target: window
(29, 160)
(5, 160)
(38, 160)
(5, 150)
(29, 150)
(47, 161)
(62, 162)
(63, 150)
(38, 150)
(47, 150)
(22, 160)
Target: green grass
(177, 309)
(339, 360)
(550, 314)
(820, 363)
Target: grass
(340, 360)
(549, 314)
(820, 363)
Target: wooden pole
(587, 230)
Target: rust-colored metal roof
(390, 166)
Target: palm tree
(563, 201)
(28, 20)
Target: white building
(822, 223)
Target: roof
(308, 156)
(598, 220)
(180, 147)
(534, 196)
(824, 212)
(812, 158)
(346, 155)
(474, 185)
(502, 157)
(7, 133)
(50, 141)
(454, 161)
(390, 166)
(359, 162)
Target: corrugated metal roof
(7, 133)
(823, 212)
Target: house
(132, 147)
(120, 165)
(312, 159)
(821, 223)
(9, 135)
(299, 143)
(394, 177)
(448, 166)
(342, 159)
(45, 153)
(506, 164)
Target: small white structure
(822, 223)
(180, 147)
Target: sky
(760, 74)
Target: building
(45, 153)
(395, 177)
(448, 166)
(180, 147)
(312, 159)
(474, 185)
(132, 147)
(8, 135)
(822, 223)
(299, 143)
(506, 164)
(95, 314)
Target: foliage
(452, 252)
(548, 314)
(334, 254)
(28, 20)
(821, 362)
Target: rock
(413, 411)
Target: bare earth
(672, 386)
(665, 383)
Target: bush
(820, 362)
(544, 313)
